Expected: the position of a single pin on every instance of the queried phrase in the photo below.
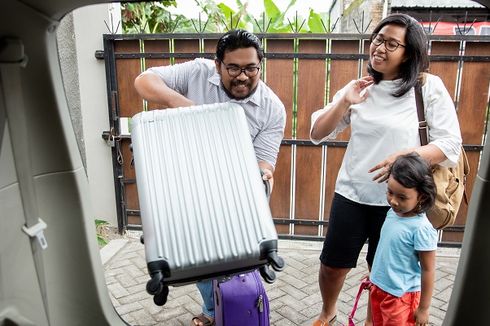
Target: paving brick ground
(294, 297)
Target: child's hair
(412, 171)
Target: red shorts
(388, 310)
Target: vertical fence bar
(311, 86)
(449, 73)
(323, 184)
(280, 79)
(156, 46)
(110, 68)
(129, 103)
(341, 72)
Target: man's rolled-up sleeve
(175, 77)
(268, 140)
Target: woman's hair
(415, 52)
(238, 39)
(412, 171)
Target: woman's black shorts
(349, 226)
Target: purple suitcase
(241, 301)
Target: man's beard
(235, 83)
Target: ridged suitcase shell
(203, 206)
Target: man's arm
(153, 89)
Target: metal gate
(305, 71)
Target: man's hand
(267, 172)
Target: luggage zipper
(260, 303)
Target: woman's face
(387, 51)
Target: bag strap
(423, 128)
(466, 171)
(424, 132)
(365, 285)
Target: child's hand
(421, 317)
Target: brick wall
(363, 13)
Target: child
(403, 269)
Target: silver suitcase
(203, 206)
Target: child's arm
(427, 263)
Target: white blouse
(384, 124)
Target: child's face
(402, 200)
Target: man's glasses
(390, 45)
(235, 71)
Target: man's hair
(238, 39)
(412, 171)
(415, 52)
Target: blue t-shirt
(396, 267)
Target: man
(234, 76)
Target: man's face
(239, 72)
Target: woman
(381, 111)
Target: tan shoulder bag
(450, 182)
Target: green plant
(153, 17)
(101, 230)
(150, 17)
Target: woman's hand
(329, 119)
(384, 166)
(354, 92)
(431, 153)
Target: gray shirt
(199, 81)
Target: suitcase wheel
(155, 285)
(276, 262)
(142, 239)
(267, 274)
(161, 298)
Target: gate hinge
(99, 54)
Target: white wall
(89, 28)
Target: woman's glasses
(390, 45)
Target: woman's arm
(444, 133)
(444, 130)
(328, 121)
(430, 152)
(427, 264)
